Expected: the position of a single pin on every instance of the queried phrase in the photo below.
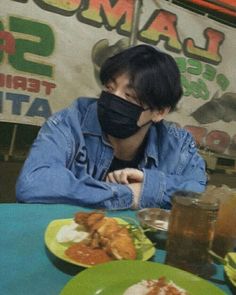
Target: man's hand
(133, 178)
(125, 176)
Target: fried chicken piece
(95, 241)
(116, 239)
(107, 234)
(88, 220)
(81, 217)
(108, 227)
(122, 246)
(93, 219)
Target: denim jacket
(69, 160)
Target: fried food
(107, 234)
(88, 220)
(122, 246)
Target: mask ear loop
(144, 110)
(148, 122)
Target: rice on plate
(155, 287)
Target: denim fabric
(69, 160)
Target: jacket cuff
(122, 197)
(154, 186)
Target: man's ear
(160, 114)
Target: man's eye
(109, 88)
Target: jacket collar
(90, 124)
(151, 150)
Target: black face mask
(118, 117)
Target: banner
(51, 52)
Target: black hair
(154, 75)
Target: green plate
(231, 258)
(58, 249)
(113, 278)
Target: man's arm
(46, 176)
(154, 188)
(158, 187)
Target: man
(117, 152)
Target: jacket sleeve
(46, 177)
(190, 175)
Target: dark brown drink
(190, 234)
(225, 232)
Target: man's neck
(126, 149)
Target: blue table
(27, 267)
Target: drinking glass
(190, 234)
(225, 231)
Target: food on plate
(155, 287)
(106, 239)
(71, 233)
(107, 234)
(86, 255)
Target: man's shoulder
(78, 108)
(174, 129)
(171, 131)
(82, 101)
(81, 105)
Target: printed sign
(51, 52)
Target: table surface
(26, 265)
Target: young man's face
(121, 87)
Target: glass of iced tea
(225, 232)
(190, 234)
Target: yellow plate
(231, 273)
(144, 252)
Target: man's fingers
(134, 174)
(110, 178)
(125, 176)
